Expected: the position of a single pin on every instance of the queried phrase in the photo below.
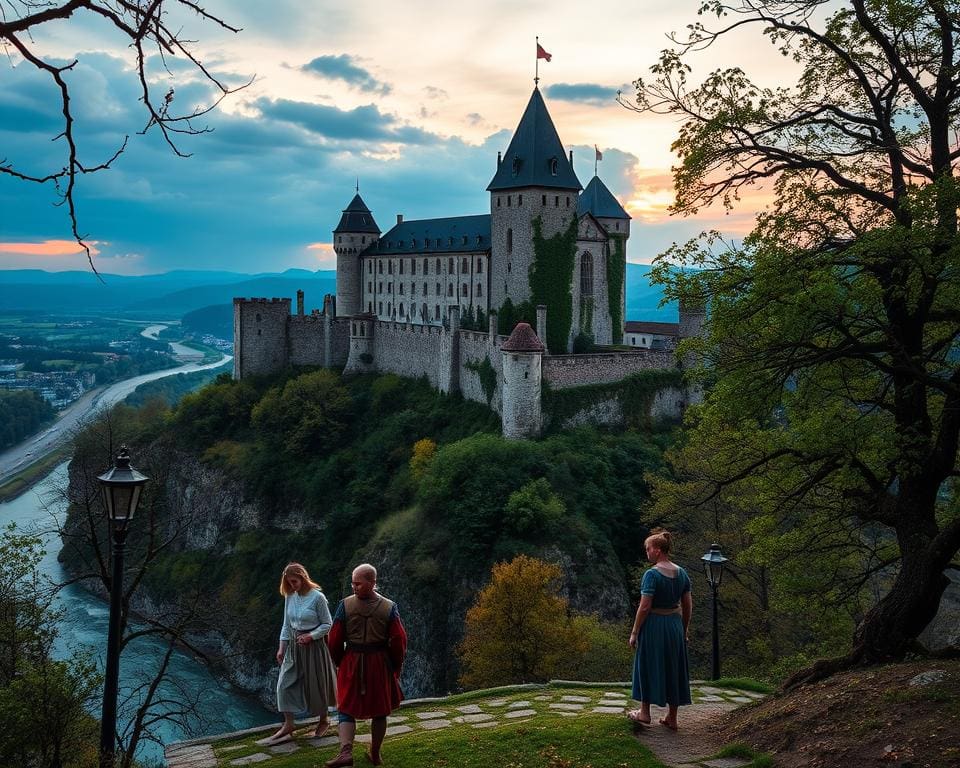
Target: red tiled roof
(656, 329)
(523, 339)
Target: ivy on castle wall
(487, 375)
(635, 394)
(551, 277)
(616, 266)
(510, 314)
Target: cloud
(583, 93)
(365, 123)
(435, 93)
(48, 248)
(345, 68)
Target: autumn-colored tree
(519, 630)
(423, 453)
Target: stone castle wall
(305, 339)
(260, 325)
(410, 350)
(339, 341)
(564, 371)
(667, 405)
(475, 347)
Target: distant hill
(171, 293)
(643, 299)
(216, 319)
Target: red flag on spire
(542, 54)
(599, 153)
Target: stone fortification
(563, 371)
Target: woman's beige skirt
(307, 681)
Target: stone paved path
(688, 748)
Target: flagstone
(432, 725)
(601, 710)
(285, 749)
(431, 715)
(485, 725)
(475, 717)
(543, 698)
(740, 699)
(396, 730)
(519, 704)
(567, 706)
(256, 757)
(496, 702)
(708, 689)
(470, 709)
(580, 699)
(710, 697)
(520, 713)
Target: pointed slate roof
(535, 157)
(357, 218)
(523, 339)
(599, 201)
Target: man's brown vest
(367, 621)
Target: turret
(356, 231)
(520, 412)
(360, 357)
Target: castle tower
(520, 413)
(693, 315)
(355, 232)
(259, 336)
(598, 201)
(534, 179)
(360, 357)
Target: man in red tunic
(368, 644)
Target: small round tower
(360, 356)
(356, 232)
(522, 352)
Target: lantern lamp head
(121, 486)
(713, 563)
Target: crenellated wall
(408, 349)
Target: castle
(490, 305)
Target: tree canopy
(830, 429)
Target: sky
(412, 100)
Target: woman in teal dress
(661, 672)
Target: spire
(535, 157)
(357, 217)
(599, 201)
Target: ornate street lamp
(121, 487)
(713, 568)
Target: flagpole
(536, 66)
(595, 160)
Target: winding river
(84, 627)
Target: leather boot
(345, 758)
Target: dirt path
(695, 740)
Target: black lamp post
(121, 487)
(713, 567)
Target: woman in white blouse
(307, 679)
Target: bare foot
(278, 738)
(321, 730)
(374, 759)
(672, 725)
(636, 716)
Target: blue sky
(414, 100)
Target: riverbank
(33, 474)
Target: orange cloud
(49, 248)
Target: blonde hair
(295, 569)
(661, 539)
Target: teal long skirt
(661, 671)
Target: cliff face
(433, 594)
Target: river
(85, 616)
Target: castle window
(450, 266)
(339, 238)
(258, 317)
(390, 267)
(380, 267)
(426, 264)
(369, 266)
(516, 165)
(479, 239)
(509, 241)
(466, 266)
(509, 267)
(436, 311)
(413, 243)
(401, 289)
(370, 306)
(353, 328)
(466, 291)
(479, 290)
(568, 201)
(413, 289)
(543, 200)
(556, 201)
(449, 241)
(379, 287)
(424, 289)
(554, 166)
(479, 266)
(450, 289)
(498, 201)
(519, 200)
(259, 332)
(438, 289)
(413, 266)
(509, 200)
(465, 239)
(401, 266)
(363, 239)
(618, 226)
(380, 308)
(586, 274)
(423, 312)
(401, 309)
(363, 329)
(369, 287)
(438, 261)
(389, 308)
(389, 287)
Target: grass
(549, 742)
(743, 683)
(744, 752)
(26, 478)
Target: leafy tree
(42, 701)
(535, 507)
(423, 452)
(833, 330)
(519, 629)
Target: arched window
(479, 290)
(424, 289)
(390, 267)
(258, 317)
(436, 311)
(401, 309)
(401, 289)
(380, 308)
(586, 274)
(554, 166)
(370, 306)
(380, 267)
(426, 262)
(450, 289)
(438, 289)
(519, 199)
(413, 266)
(509, 241)
(450, 261)
(438, 261)
(363, 329)
(466, 291)
(479, 266)
(389, 308)
(423, 312)
(465, 267)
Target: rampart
(563, 371)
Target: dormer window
(464, 239)
(516, 165)
(554, 166)
(479, 239)
(413, 243)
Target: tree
(832, 338)
(154, 27)
(43, 702)
(519, 629)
